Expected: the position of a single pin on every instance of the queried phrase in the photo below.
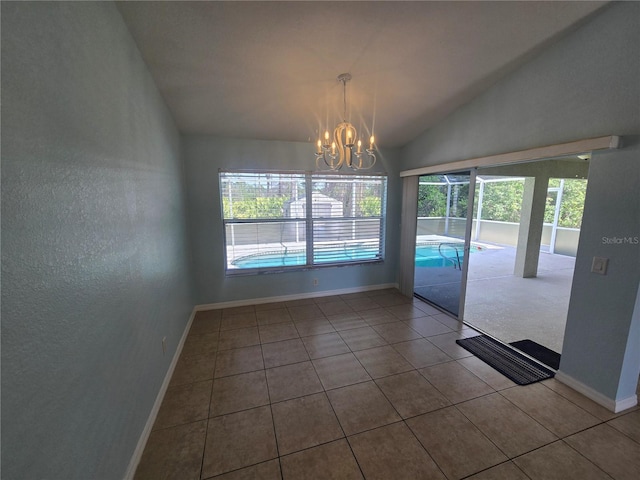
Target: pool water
(444, 255)
(263, 260)
(299, 257)
(426, 256)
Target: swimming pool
(442, 254)
(299, 257)
(431, 255)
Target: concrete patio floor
(512, 308)
(505, 306)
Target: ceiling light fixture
(345, 148)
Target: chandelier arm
(357, 166)
(337, 138)
(372, 157)
(332, 165)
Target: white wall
(586, 85)
(94, 249)
(204, 156)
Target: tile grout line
(423, 447)
(273, 422)
(494, 466)
(374, 381)
(213, 380)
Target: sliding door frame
(467, 241)
(408, 230)
(410, 196)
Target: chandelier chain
(344, 99)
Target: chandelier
(345, 148)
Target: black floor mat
(512, 364)
(539, 352)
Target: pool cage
(496, 213)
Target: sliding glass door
(443, 239)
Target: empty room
(257, 240)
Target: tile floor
(369, 385)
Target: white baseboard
(610, 404)
(142, 441)
(288, 298)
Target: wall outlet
(315, 282)
(164, 345)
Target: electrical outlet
(315, 282)
(164, 345)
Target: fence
(502, 233)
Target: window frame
(308, 221)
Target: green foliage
(459, 200)
(550, 207)
(432, 201)
(572, 203)
(259, 207)
(502, 201)
(370, 206)
(573, 194)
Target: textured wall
(204, 156)
(586, 85)
(94, 251)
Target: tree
(573, 196)
(502, 201)
(370, 206)
(432, 201)
(259, 207)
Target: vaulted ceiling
(267, 70)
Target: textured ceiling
(267, 70)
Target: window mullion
(383, 222)
(309, 217)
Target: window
(287, 220)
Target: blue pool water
(444, 255)
(299, 257)
(426, 256)
(262, 260)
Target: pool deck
(513, 308)
(501, 304)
